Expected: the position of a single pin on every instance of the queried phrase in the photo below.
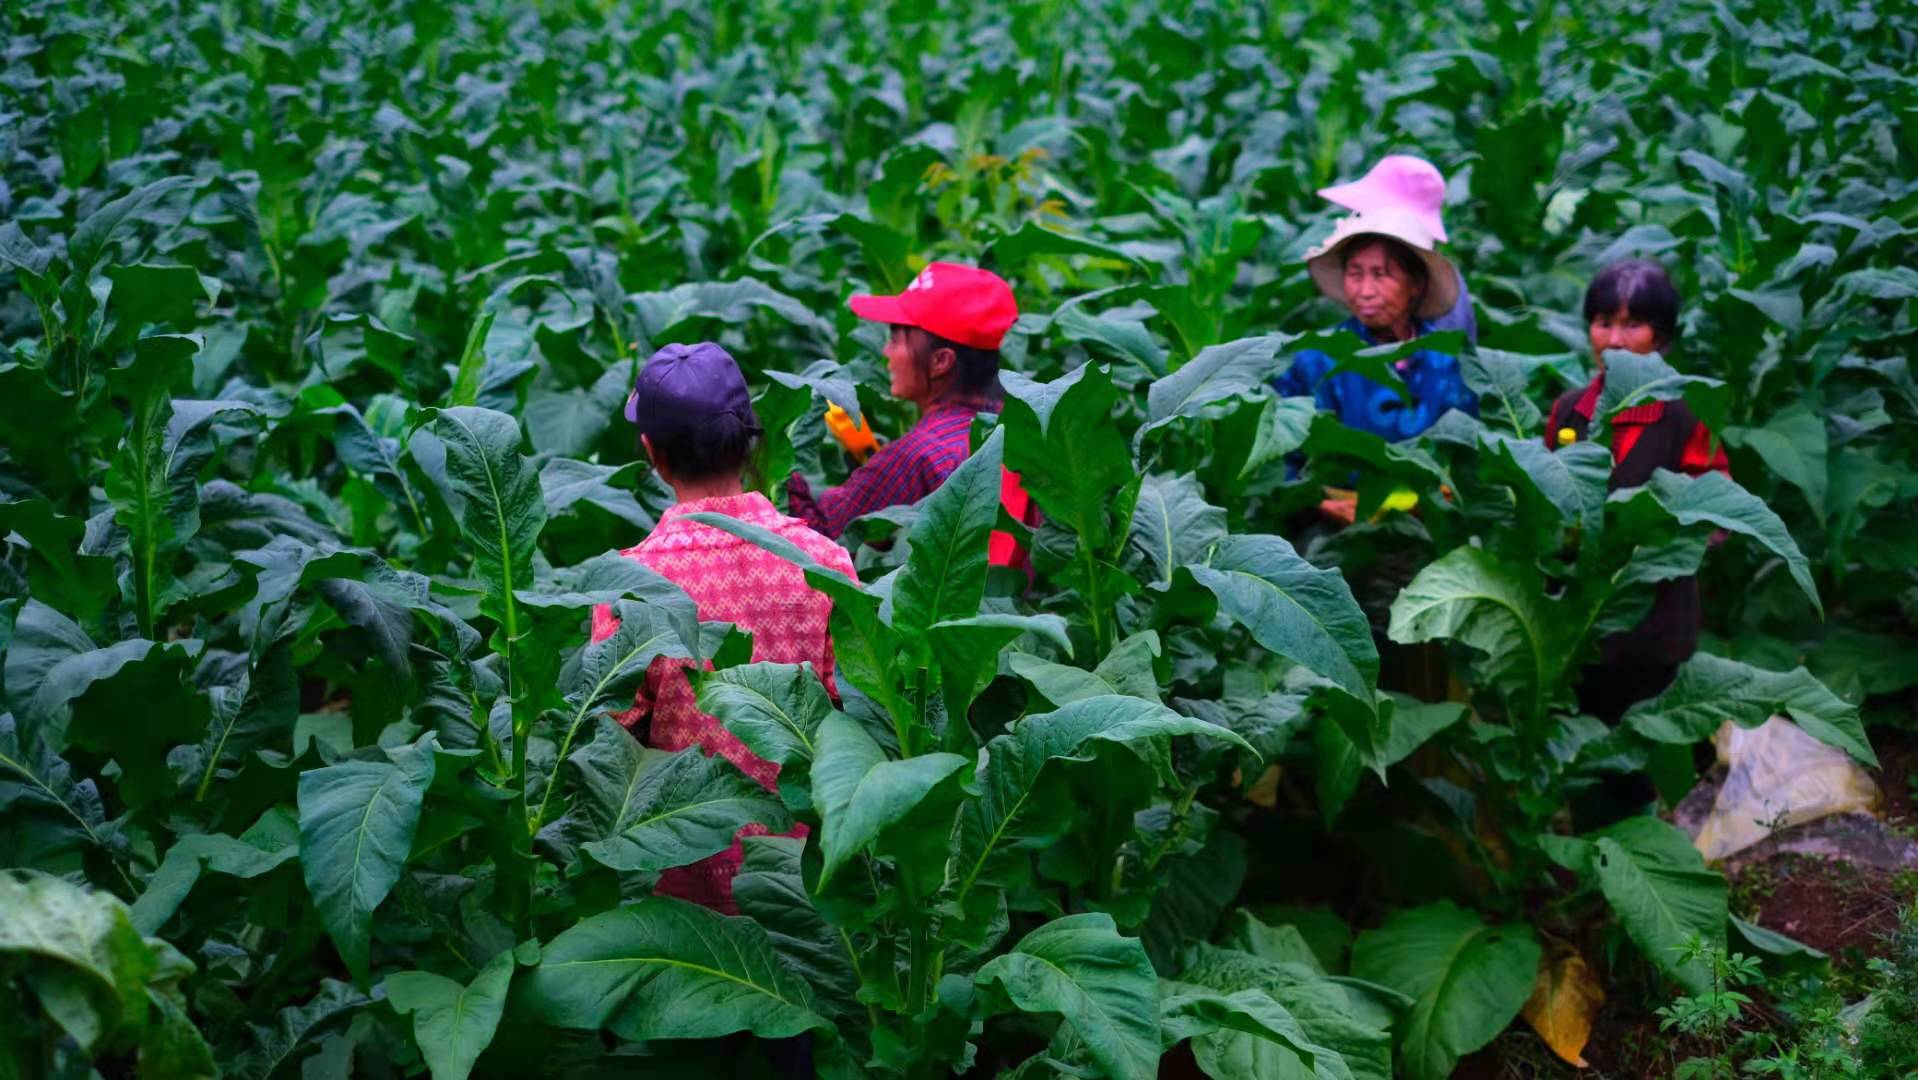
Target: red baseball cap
(959, 303)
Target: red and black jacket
(1646, 438)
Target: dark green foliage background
(248, 246)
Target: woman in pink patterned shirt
(696, 424)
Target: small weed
(1710, 1016)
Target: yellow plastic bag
(1779, 777)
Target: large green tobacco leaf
(1467, 981)
(50, 814)
(1217, 373)
(726, 301)
(864, 798)
(42, 639)
(1061, 441)
(604, 772)
(453, 1024)
(1126, 670)
(1570, 480)
(1243, 1035)
(387, 604)
(1295, 609)
(1012, 251)
(770, 889)
(775, 709)
(505, 508)
(1503, 383)
(1795, 446)
(571, 422)
(279, 570)
(377, 456)
(567, 483)
(1173, 525)
(356, 826)
(1282, 426)
(666, 969)
(1405, 462)
(88, 694)
(1407, 725)
(60, 575)
(608, 578)
(1097, 981)
(945, 574)
(1125, 339)
(86, 963)
(1495, 606)
(1660, 888)
(677, 810)
(1715, 499)
(92, 236)
(1021, 807)
(360, 587)
(1711, 690)
(967, 650)
(1332, 1015)
(266, 847)
(190, 443)
(144, 294)
(601, 676)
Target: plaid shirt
(902, 473)
(731, 581)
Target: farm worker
(696, 423)
(943, 355)
(1632, 305)
(1382, 266)
(1401, 182)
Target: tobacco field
(317, 319)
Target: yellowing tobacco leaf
(1565, 1000)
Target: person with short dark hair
(695, 422)
(1633, 306)
(943, 356)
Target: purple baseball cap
(683, 388)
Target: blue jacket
(1434, 379)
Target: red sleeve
(1551, 426)
(1703, 454)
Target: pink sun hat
(1398, 182)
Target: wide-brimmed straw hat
(1327, 261)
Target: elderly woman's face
(1622, 330)
(1379, 291)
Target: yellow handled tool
(856, 438)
